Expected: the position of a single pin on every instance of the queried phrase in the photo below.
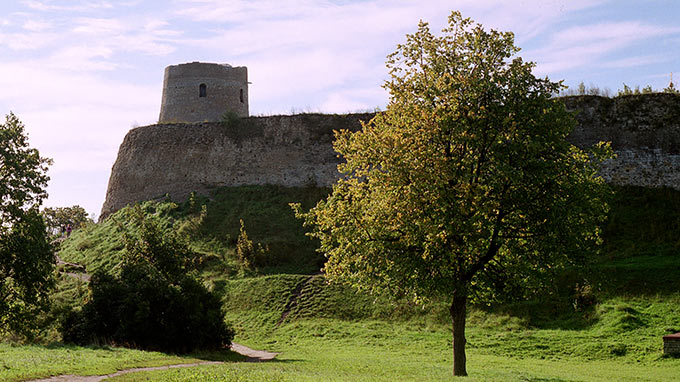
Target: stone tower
(198, 92)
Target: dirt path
(97, 378)
(250, 354)
(253, 355)
(79, 273)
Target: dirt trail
(253, 355)
(250, 354)
(79, 273)
(97, 378)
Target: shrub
(230, 119)
(250, 257)
(155, 303)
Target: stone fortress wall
(644, 131)
(200, 92)
(176, 159)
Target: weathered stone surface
(200, 92)
(176, 159)
(644, 131)
(671, 344)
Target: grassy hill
(211, 225)
(610, 318)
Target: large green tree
(26, 260)
(465, 187)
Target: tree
(465, 188)
(58, 218)
(155, 303)
(581, 88)
(250, 257)
(26, 260)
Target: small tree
(671, 87)
(465, 188)
(626, 91)
(581, 88)
(26, 260)
(154, 303)
(249, 256)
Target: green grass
(314, 349)
(18, 363)
(338, 350)
(623, 328)
(608, 330)
(333, 363)
(265, 210)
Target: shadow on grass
(224, 355)
(64, 346)
(541, 315)
(641, 275)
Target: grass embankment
(213, 231)
(608, 329)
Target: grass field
(374, 350)
(324, 338)
(360, 364)
(608, 329)
(338, 350)
(19, 363)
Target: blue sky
(81, 73)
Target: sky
(81, 73)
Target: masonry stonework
(203, 92)
(176, 159)
(644, 131)
(671, 344)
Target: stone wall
(644, 131)
(225, 88)
(671, 344)
(178, 159)
(297, 150)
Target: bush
(155, 303)
(250, 257)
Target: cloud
(590, 45)
(80, 73)
(630, 62)
(67, 6)
(26, 41)
(78, 119)
(123, 35)
(83, 58)
(355, 100)
(36, 26)
(305, 47)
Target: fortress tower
(198, 92)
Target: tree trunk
(458, 310)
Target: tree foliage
(155, 303)
(465, 187)
(58, 218)
(26, 260)
(249, 255)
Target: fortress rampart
(176, 159)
